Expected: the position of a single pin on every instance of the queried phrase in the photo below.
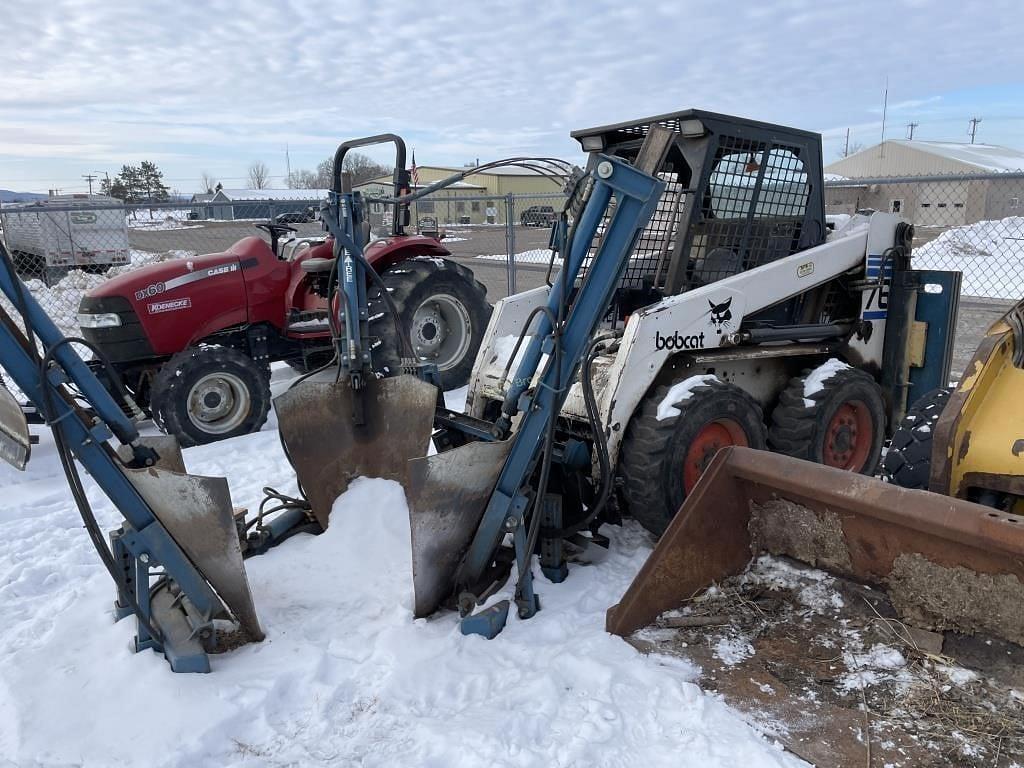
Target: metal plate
(447, 495)
(15, 446)
(197, 513)
(328, 450)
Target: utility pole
(910, 130)
(846, 146)
(287, 163)
(885, 107)
(974, 127)
(89, 178)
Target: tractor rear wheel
(908, 462)
(444, 310)
(839, 423)
(205, 394)
(662, 458)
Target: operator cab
(739, 194)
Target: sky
(213, 86)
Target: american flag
(414, 171)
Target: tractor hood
(162, 276)
(163, 308)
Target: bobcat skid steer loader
(740, 320)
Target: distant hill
(9, 196)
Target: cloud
(214, 85)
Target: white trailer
(50, 237)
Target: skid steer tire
(661, 459)
(444, 310)
(205, 394)
(841, 425)
(908, 462)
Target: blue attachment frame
(939, 311)
(345, 214)
(143, 537)
(636, 196)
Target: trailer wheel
(662, 459)
(443, 308)
(840, 425)
(908, 462)
(205, 394)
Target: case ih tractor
(193, 339)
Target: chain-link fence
(973, 223)
(63, 247)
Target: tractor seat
(317, 265)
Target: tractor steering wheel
(273, 227)
(275, 231)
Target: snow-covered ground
(345, 676)
(989, 253)
(160, 219)
(534, 256)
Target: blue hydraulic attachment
(198, 570)
(622, 197)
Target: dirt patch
(784, 528)
(955, 598)
(822, 664)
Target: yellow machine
(969, 442)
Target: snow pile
(989, 253)
(679, 392)
(813, 588)
(534, 256)
(733, 650)
(815, 381)
(878, 664)
(159, 219)
(346, 676)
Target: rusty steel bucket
(946, 563)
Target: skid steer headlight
(104, 320)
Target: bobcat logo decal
(721, 315)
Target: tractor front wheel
(205, 394)
(668, 445)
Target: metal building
(941, 184)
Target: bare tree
(361, 167)
(852, 149)
(259, 175)
(303, 180)
(207, 182)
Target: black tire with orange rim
(661, 459)
(841, 425)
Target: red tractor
(193, 339)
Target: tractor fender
(389, 251)
(381, 254)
